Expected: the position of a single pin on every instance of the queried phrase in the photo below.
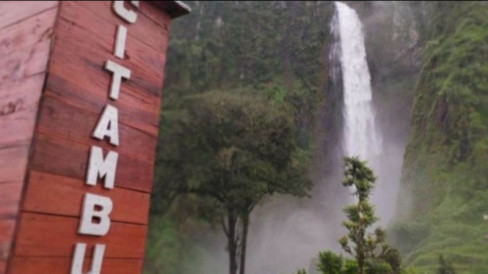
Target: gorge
(417, 114)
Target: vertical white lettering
(108, 125)
(119, 72)
(128, 15)
(99, 167)
(95, 218)
(120, 41)
(77, 263)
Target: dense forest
(250, 132)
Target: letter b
(90, 213)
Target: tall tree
(232, 149)
(369, 249)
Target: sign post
(80, 92)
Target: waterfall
(360, 137)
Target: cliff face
(443, 201)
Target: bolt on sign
(80, 91)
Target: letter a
(108, 125)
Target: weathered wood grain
(73, 92)
(75, 27)
(157, 15)
(136, 51)
(58, 119)
(13, 11)
(6, 234)
(10, 193)
(24, 47)
(77, 75)
(29, 265)
(45, 235)
(53, 194)
(18, 109)
(145, 29)
(13, 163)
(67, 158)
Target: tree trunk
(231, 238)
(245, 225)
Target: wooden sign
(80, 92)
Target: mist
(287, 233)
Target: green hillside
(444, 191)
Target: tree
(369, 249)
(233, 150)
(445, 266)
(330, 263)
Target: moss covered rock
(443, 202)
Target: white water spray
(360, 135)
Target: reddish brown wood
(75, 25)
(67, 158)
(25, 39)
(11, 12)
(13, 163)
(144, 30)
(9, 199)
(77, 75)
(24, 47)
(29, 265)
(45, 235)
(153, 11)
(57, 119)
(6, 233)
(3, 266)
(47, 125)
(60, 195)
(18, 110)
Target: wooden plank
(76, 36)
(13, 163)
(29, 265)
(62, 157)
(6, 234)
(25, 62)
(48, 193)
(46, 235)
(18, 110)
(139, 56)
(27, 33)
(73, 51)
(77, 66)
(144, 30)
(9, 199)
(25, 46)
(156, 14)
(3, 266)
(75, 124)
(14, 11)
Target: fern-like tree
(366, 248)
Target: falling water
(360, 136)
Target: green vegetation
(444, 192)
(237, 69)
(369, 253)
(242, 90)
(232, 150)
(365, 248)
